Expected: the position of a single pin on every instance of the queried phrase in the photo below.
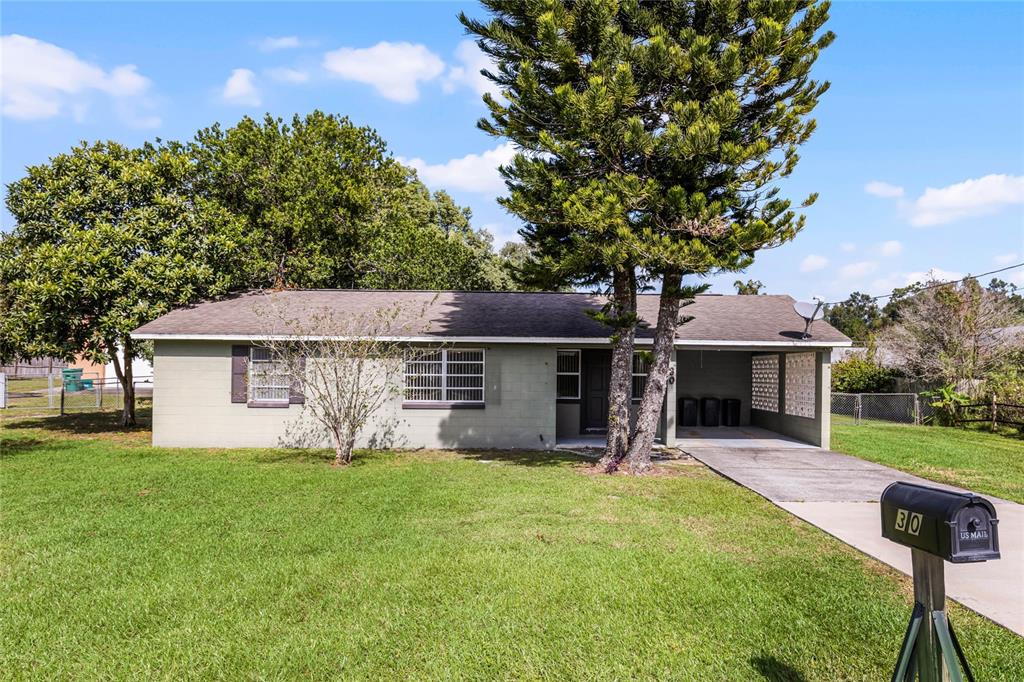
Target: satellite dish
(810, 312)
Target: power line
(942, 284)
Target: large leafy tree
(327, 206)
(857, 317)
(651, 136)
(107, 238)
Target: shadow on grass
(16, 446)
(528, 458)
(286, 455)
(82, 422)
(1004, 430)
(775, 670)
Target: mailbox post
(938, 525)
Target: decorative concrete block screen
(800, 384)
(765, 378)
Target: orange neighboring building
(90, 370)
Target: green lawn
(33, 384)
(121, 560)
(986, 463)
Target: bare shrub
(347, 366)
(951, 335)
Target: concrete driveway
(839, 494)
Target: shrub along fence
(994, 413)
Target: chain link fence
(49, 393)
(896, 408)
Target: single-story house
(532, 369)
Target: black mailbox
(958, 527)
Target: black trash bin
(731, 412)
(709, 412)
(687, 412)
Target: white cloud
(240, 88)
(968, 199)
(890, 248)
(848, 247)
(471, 60)
(393, 69)
(470, 173)
(934, 274)
(41, 80)
(502, 233)
(287, 75)
(859, 269)
(883, 285)
(812, 263)
(883, 189)
(1007, 259)
(272, 44)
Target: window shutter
(295, 395)
(239, 374)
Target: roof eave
(748, 344)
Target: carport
(751, 397)
(741, 362)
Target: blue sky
(918, 158)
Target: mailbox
(958, 527)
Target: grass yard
(121, 560)
(986, 463)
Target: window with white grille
(765, 383)
(567, 374)
(444, 375)
(269, 380)
(800, 393)
(641, 368)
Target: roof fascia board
(565, 341)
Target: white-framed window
(765, 382)
(641, 368)
(454, 375)
(269, 380)
(567, 374)
(800, 379)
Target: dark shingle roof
(511, 315)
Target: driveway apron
(839, 494)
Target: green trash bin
(72, 380)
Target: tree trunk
(350, 448)
(128, 387)
(124, 377)
(624, 313)
(339, 449)
(344, 446)
(639, 455)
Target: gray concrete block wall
(192, 405)
(715, 374)
(192, 400)
(520, 406)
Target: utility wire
(942, 284)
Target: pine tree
(650, 137)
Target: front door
(597, 374)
